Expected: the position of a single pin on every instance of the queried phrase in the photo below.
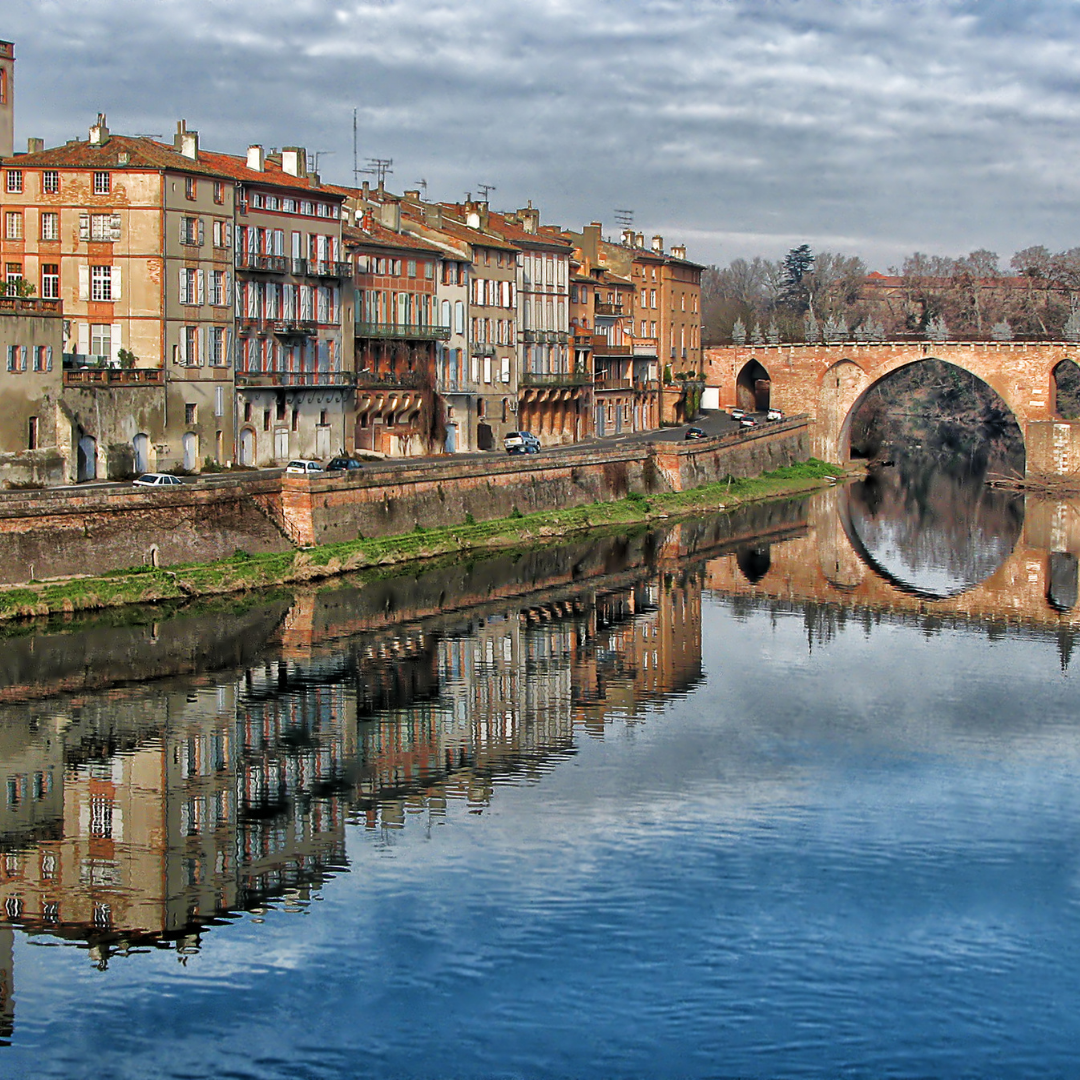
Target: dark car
(695, 433)
(343, 464)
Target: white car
(303, 467)
(774, 414)
(158, 480)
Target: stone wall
(91, 530)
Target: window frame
(102, 182)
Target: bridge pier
(1052, 448)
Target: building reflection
(142, 815)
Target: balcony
(482, 349)
(613, 384)
(402, 331)
(321, 268)
(555, 378)
(294, 378)
(28, 305)
(263, 264)
(294, 327)
(610, 310)
(456, 386)
(645, 347)
(603, 347)
(114, 377)
(382, 380)
(544, 337)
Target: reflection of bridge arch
(825, 382)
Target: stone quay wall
(92, 530)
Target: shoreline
(243, 572)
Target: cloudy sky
(738, 127)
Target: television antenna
(379, 167)
(319, 153)
(422, 185)
(625, 218)
(485, 190)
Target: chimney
(413, 196)
(678, 251)
(366, 190)
(530, 219)
(658, 245)
(256, 159)
(35, 146)
(99, 132)
(390, 215)
(368, 220)
(639, 240)
(294, 160)
(186, 142)
(628, 237)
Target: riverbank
(243, 571)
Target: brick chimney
(186, 142)
(658, 245)
(256, 158)
(35, 146)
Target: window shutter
(200, 277)
(48, 358)
(116, 283)
(238, 308)
(203, 338)
(84, 226)
(202, 232)
(296, 245)
(114, 344)
(229, 348)
(84, 338)
(114, 226)
(11, 357)
(84, 281)
(183, 345)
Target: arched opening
(87, 458)
(754, 560)
(1061, 586)
(247, 447)
(485, 440)
(191, 451)
(752, 387)
(141, 447)
(1066, 378)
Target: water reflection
(145, 814)
(931, 526)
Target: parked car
(158, 480)
(774, 414)
(303, 467)
(343, 464)
(521, 442)
(747, 421)
(737, 414)
(695, 433)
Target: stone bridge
(829, 382)
(1036, 586)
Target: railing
(376, 380)
(403, 331)
(265, 264)
(645, 347)
(608, 309)
(456, 386)
(555, 378)
(544, 337)
(602, 347)
(479, 349)
(294, 327)
(114, 377)
(321, 268)
(614, 384)
(295, 378)
(28, 305)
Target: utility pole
(355, 166)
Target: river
(790, 792)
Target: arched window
(1067, 390)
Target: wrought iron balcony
(544, 337)
(555, 378)
(294, 378)
(402, 331)
(263, 264)
(383, 380)
(321, 268)
(614, 310)
(294, 327)
(613, 384)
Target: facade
(397, 331)
(35, 435)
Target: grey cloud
(876, 126)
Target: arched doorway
(141, 447)
(1066, 380)
(247, 447)
(752, 387)
(191, 451)
(485, 440)
(754, 560)
(87, 458)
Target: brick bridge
(1036, 586)
(829, 382)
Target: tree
(798, 263)
(738, 333)
(1002, 331)
(20, 287)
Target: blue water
(857, 856)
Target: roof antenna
(422, 184)
(485, 190)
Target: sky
(736, 127)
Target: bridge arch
(752, 386)
(846, 386)
(1066, 388)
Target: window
(190, 230)
(217, 288)
(412, 267)
(652, 298)
(12, 275)
(14, 180)
(266, 419)
(42, 358)
(16, 358)
(217, 347)
(296, 419)
(221, 234)
(190, 412)
(13, 225)
(104, 227)
(189, 286)
(191, 347)
(288, 205)
(101, 283)
(219, 191)
(50, 225)
(101, 339)
(101, 183)
(50, 181)
(189, 187)
(50, 281)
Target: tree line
(825, 296)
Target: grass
(244, 571)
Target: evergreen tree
(1072, 325)
(772, 334)
(936, 330)
(757, 337)
(797, 267)
(1002, 331)
(812, 333)
(738, 332)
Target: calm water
(790, 794)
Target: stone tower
(7, 99)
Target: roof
(519, 235)
(380, 236)
(148, 154)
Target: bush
(469, 519)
